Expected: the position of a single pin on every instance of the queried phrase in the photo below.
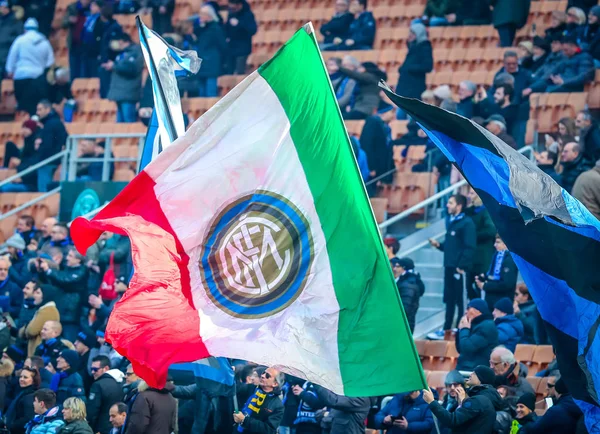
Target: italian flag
(253, 238)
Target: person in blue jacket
(361, 34)
(406, 412)
(510, 328)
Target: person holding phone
(406, 411)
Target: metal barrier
(61, 155)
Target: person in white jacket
(29, 57)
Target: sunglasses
(550, 385)
(267, 375)
(129, 374)
(94, 369)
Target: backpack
(107, 287)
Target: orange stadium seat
(379, 206)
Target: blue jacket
(510, 331)
(417, 414)
(71, 386)
(362, 31)
(47, 423)
(576, 71)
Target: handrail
(30, 169)
(30, 203)
(436, 196)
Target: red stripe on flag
(155, 323)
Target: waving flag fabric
(553, 238)
(253, 238)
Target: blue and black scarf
(254, 404)
(496, 267)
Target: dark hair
(37, 362)
(460, 200)
(522, 288)
(245, 372)
(569, 123)
(553, 156)
(64, 226)
(46, 103)
(36, 375)
(46, 396)
(106, 11)
(104, 361)
(28, 220)
(363, 2)
(508, 90)
(36, 285)
(121, 407)
(511, 53)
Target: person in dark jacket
(509, 372)
(162, 14)
(573, 165)
(239, 29)
(476, 413)
(154, 411)
(525, 411)
(20, 411)
(477, 336)
(74, 414)
(471, 13)
(417, 64)
(211, 46)
(85, 342)
(589, 136)
(7, 368)
(347, 414)
(459, 250)
(522, 77)
(104, 393)
(510, 328)
(126, 78)
(508, 16)
(406, 412)
(526, 311)
(501, 278)
(375, 140)
(52, 345)
(343, 86)
(466, 92)
(437, 12)
(251, 419)
(67, 383)
(23, 158)
(74, 20)
(10, 28)
(589, 35)
(541, 51)
(546, 162)
(410, 286)
(367, 76)
(54, 137)
(561, 418)
(10, 293)
(501, 102)
(339, 25)
(306, 421)
(361, 34)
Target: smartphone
(534, 28)
(549, 402)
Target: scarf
(88, 29)
(40, 419)
(56, 379)
(496, 267)
(254, 404)
(306, 414)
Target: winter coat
(374, 140)
(513, 12)
(476, 415)
(576, 71)
(440, 8)
(362, 31)
(75, 427)
(104, 393)
(486, 235)
(69, 387)
(47, 312)
(348, 414)
(239, 37)
(47, 423)
(337, 27)
(20, 411)
(460, 243)
(506, 283)
(211, 47)
(550, 170)
(518, 382)
(72, 284)
(10, 289)
(488, 107)
(10, 29)
(587, 190)
(416, 412)
(126, 78)
(473, 13)
(523, 80)
(153, 412)
(559, 419)
(268, 418)
(475, 344)
(50, 350)
(533, 65)
(584, 5)
(413, 71)
(528, 316)
(367, 99)
(97, 35)
(53, 135)
(544, 72)
(510, 331)
(75, 35)
(344, 89)
(589, 39)
(29, 56)
(589, 140)
(571, 170)
(411, 289)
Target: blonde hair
(77, 407)
(6, 368)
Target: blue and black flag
(553, 238)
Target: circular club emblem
(256, 256)
(86, 202)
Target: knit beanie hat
(71, 357)
(485, 374)
(528, 400)
(454, 377)
(16, 354)
(561, 387)
(479, 304)
(505, 305)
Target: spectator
(306, 421)
(526, 311)
(410, 286)
(343, 86)
(29, 308)
(367, 76)
(466, 92)
(525, 51)
(541, 52)
(117, 416)
(587, 190)
(162, 14)
(54, 137)
(575, 22)
(501, 278)
(501, 104)
(361, 34)
(544, 72)
(126, 78)
(104, 393)
(509, 372)
(589, 35)
(99, 29)
(521, 76)
(573, 164)
(347, 414)
(10, 29)
(52, 345)
(211, 47)
(508, 16)
(46, 312)
(48, 419)
(26, 228)
(477, 336)
(251, 419)
(558, 24)
(59, 90)
(38, 363)
(154, 411)
(28, 58)
(560, 418)
(59, 238)
(23, 158)
(17, 254)
(496, 125)
(74, 20)
(339, 25)
(471, 13)
(67, 383)
(417, 64)
(239, 29)
(14, 354)
(375, 140)
(392, 246)
(546, 161)
(20, 411)
(589, 136)
(92, 171)
(453, 381)
(525, 411)
(437, 11)
(570, 75)
(74, 415)
(45, 232)
(459, 248)
(510, 328)
(405, 412)
(440, 94)
(11, 296)
(7, 368)
(85, 342)
(476, 411)
(361, 159)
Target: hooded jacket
(411, 289)
(510, 331)
(417, 64)
(29, 56)
(528, 316)
(104, 393)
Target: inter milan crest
(256, 255)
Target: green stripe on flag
(376, 350)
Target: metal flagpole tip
(308, 28)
